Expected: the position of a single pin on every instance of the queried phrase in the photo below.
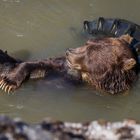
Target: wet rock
(16, 129)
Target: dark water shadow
(22, 54)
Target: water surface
(36, 29)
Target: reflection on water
(35, 29)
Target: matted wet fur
(107, 63)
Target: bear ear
(127, 38)
(129, 64)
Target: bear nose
(67, 52)
(71, 50)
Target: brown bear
(108, 63)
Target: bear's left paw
(8, 83)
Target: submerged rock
(16, 129)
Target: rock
(16, 129)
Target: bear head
(107, 63)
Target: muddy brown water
(36, 29)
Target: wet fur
(108, 55)
(102, 63)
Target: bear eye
(90, 49)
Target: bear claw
(6, 86)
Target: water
(36, 29)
